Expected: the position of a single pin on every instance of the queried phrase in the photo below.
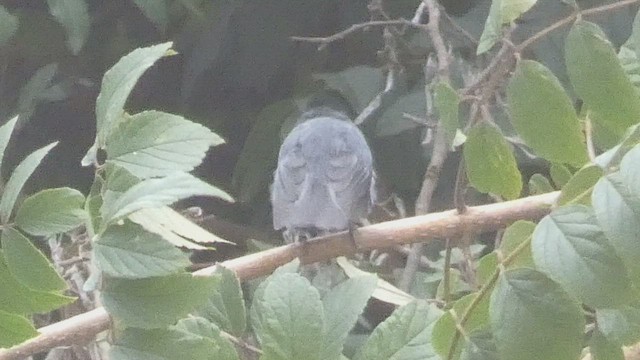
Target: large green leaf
(599, 79)
(117, 83)
(127, 251)
(447, 102)
(17, 298)
(491, 166)
(51, 211)
(157, 193)
(14, 329)
(18, 178)
(342, 306)
(543, 115)
(32, 92)
(27, 264)
(533, 318)
(226, 306)
(165, 299)
(154, 143)
(288, 319)
(569, 246)
(8, 25)
(74, 16)
(579, 187)
(406, 334)
(357, 84)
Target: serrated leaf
(127, 251)
(620, 326)
(254, 170)
(28, 265)
(491, 166)
(406, 334)
(154, 143)
(166, 299)
(578, 189)
(156, 11)
(543, 115)
(599, 79)
(157, 193)
(446, 101)
(225, 307)
(51, 211)
(501, 12)
(8, 25)
(570, 248)
(74, 16)
(445, 327)
(5, 135)
(17, 298)
(15, 329)
(358, 84)
(533, 318)
(342, 306)
(117, 83)
(174, 227)
(288, 319)
(18, 178)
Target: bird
(324, 180)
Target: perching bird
(324, 179)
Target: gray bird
(324, 179)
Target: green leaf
(611, 158)
(226, 307)
(156, 11)
(117, 83)
(18, 178)
(342, 306)
(513, 238)
(490, 163)
(406, 334)
(8, 25)
(533, 318)
(127, 251)
(51, 211)
(578, 189)
(93, 204)
(31, 93)
(446, 101)
(543, 115)
(15, 329)
(157, 193)
(166, 299)
(358, 84)
(254, 170)
(602, 349)
(480, 346)
(445, 327)
(538, 184)
(599, 79)
(560, 174)
(154, 143)
(288, 319)
(27, 264)
(17, 298)
(393, 121)
(74, 16)
(501, 12)
(620, 326)
(570, 248)
(5, 134)
(192, 338)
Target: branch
(424, 228)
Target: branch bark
(448, 224)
